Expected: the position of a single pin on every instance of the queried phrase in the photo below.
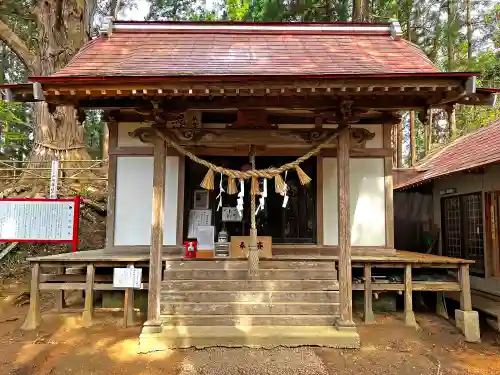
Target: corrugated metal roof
(476, 149)
(212, 49)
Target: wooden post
(452, 122)
(60, 302)
(399, 144)
(88, 311)
(465, 296)
(345, 271)
(157, 223)
(413, 140)
(389, 213)
(128, 305)
(253, 251)
(409, 314)
(34, 319)
(369, 317)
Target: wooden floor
(402, 257)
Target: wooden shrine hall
(268, 147)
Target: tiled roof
(216, 49)
(475, 149)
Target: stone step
(172, 337)
(249, 320)
(231, 274)
(250, 296)
(249, 285)
(248, 308)
(228, 264)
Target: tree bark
(357, 10)
(17, 45)
(63, 27)
(469, 33)
(452, 13)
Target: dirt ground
(62, 346)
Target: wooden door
(492, 210)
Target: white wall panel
(367, 201)
(134, 190)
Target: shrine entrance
(293, 224)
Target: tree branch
(17, 45)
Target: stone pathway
(244, 361)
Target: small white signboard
(205, 237)
(231, 214)
(54, 177)
(198, 218)
(127, 277)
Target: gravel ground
(282, 361)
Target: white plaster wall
(124, 139)
(367, 201)
(133, 205)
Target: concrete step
(249, 285)
(228, 264)
(172, 337)
(235, 274)
(248, 308)
(250, 296)
(249, 320)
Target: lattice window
(463, 229)
(452, 232)
(473, 231)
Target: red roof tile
(154, 49)
(475, 149)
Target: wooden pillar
(413, 140)
(34, 319)
(88, 311)
(389, 210)
(465, 296)
(452, 122)
(369, 317)
(59, 294)
(409, 314)
(128, 305)
(253, 251)
(345, 270)
(157, 223)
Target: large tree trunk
(357, 10)
(469, 33)
(64, 27)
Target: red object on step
(190, 248)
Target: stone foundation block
(468, 323)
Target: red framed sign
(40, 220)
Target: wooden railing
(14, 170)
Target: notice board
(39, 220)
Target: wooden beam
(409, 314)
(128, 305)
(180, 104)
(157, 224)
(388, 189)
(180, 199)
(59, 295)
(112, 166)
(319, 198)
(88, 312)
(33, 319)
(345, 270)
(369, 317)
(465, 295)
